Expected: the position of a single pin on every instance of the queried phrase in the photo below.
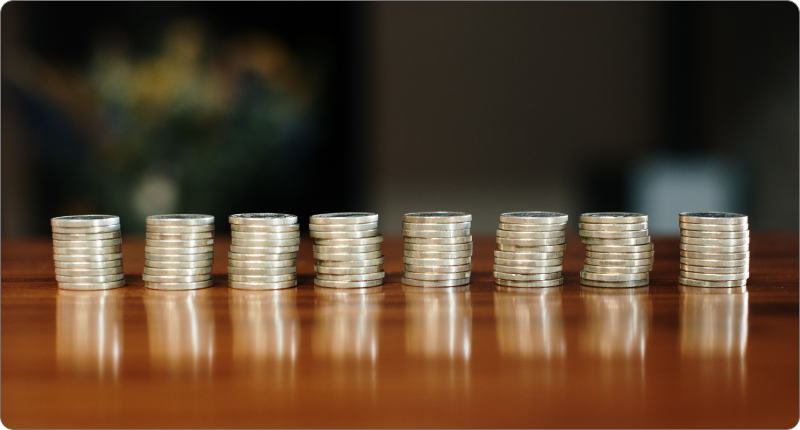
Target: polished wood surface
(660, 356)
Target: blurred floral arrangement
(189, 127)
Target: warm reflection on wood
(529, 322)
(617, 322)
(89, 332)
(438, 322)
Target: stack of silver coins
(530, 249)
(87, 250)
(347, 247)
(715, 249)
(618, 249)
(438, 249)
(179, 252)
(263, 254)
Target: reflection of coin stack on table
(715, 249)
(618, 249)
(347, 247)
(263, 254)
(438, 249)
(179, 252)
(530, 249)
(87, 250)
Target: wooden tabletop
(660, 356)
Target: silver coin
(422, 254)
(632, 234)
(353, 263)
(179, 264)
(344, 218)
(160, 271)
(532, 227)
(714, 276)
(350, 242)
(714, 242)
(616, 269)
(178, 285)
(530, 242)
(87, 258)
(715, 263)
(87, 251)
(343, 227)
(527, 263)
(531, 249)
(343, 234)
(347, 284)
(530, 284)
(179, 220)
(86, 243)
(436, 233)
(527, 270)
(86, 265)
(265, 228)
(82, 221)
(714, 249)
(446, 283)
(262, 285)
(178, 229)
(86, 236)
(435, 276)
(716, 255)
(618, 263)
(716, 234)
(179, 251)
(91, 286)
(614, 277)
(86, 230)
(438, 240)
(713, 227)
(620, 255)
(616, 242)
(618, 284)
(431, 226)
(89, 279)
(261, 243)
(89, 272)
(346, 270)
(180, 236)
(175, 279)
(178, 257)
(264, 249)
(612, 227)
(441, 217)
(712, 284)
(179, 243)
(530, 234)
(262, 257)
(720, 270)
(534, 217)
(436, 261)
(712, 218)
(273, 264)
(613, 218)
(250, 235)
(348, 256)
(262, 278)
(325, 249)
(616, 249)
(438, 269)
(262, 219)
(438, 248)
(354, 277)
(526, 277)
(528, 255)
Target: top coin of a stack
(344, 218)
(533, 217)
(613, 218)
(179, 220)
(437, 217)
(84, 221)
(262, 219)
(712, 218)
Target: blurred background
(136, 109)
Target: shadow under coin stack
(179, 252)
(619, 253)
(438, 249)
(347, 247)
(530, 249)
(263, 253)
(715, 249)
(87, 250)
